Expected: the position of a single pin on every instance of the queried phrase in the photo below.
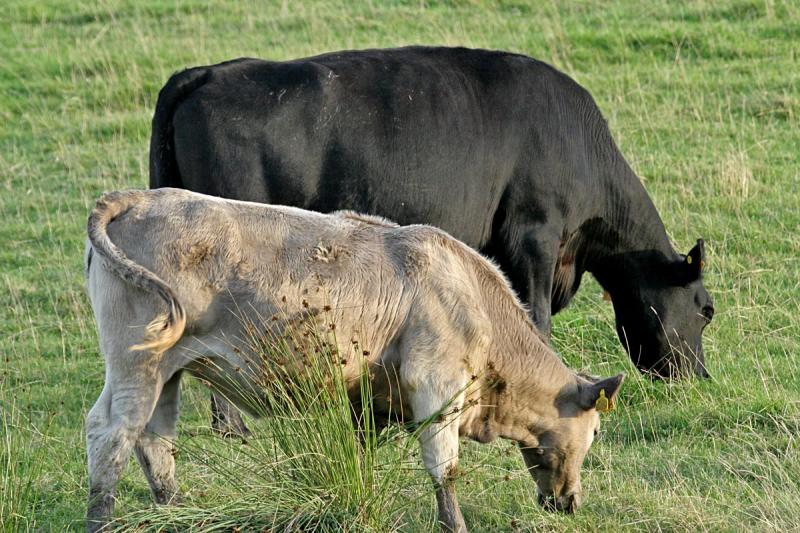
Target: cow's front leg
(226, 419)
(155, 446)
(532, 274)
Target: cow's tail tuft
(167, 328)
(164, 170)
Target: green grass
(319, 457)
(704, 100)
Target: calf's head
(555, 446)
(662, 308)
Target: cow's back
(420, 135)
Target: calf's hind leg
(113, 426)
(154, 449)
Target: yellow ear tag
(688, 259)
(602, 404)
(702, 265)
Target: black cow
(502, 151)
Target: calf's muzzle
(566, 504)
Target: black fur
(502, 151)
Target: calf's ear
(601, 394)
(694, 262)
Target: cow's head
(555, 446)
(661, 309)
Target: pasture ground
(703, 98)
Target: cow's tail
(167, 328)
(164, 170)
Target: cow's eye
(548, 458)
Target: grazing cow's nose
(700, 370)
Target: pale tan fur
(439, 323)
(366, 219)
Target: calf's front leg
(439, 445)
(450, 517)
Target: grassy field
(703, 98)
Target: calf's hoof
(450, 518)
(98, 516)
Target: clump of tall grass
(22, 459)
(315, 463)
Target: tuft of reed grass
(315, 464)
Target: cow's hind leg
(226, 419)
(439, 444)
(113, 426)
(155, 447)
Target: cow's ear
(601, 394)
(694, 262)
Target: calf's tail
(167, 328)
(164, 170)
